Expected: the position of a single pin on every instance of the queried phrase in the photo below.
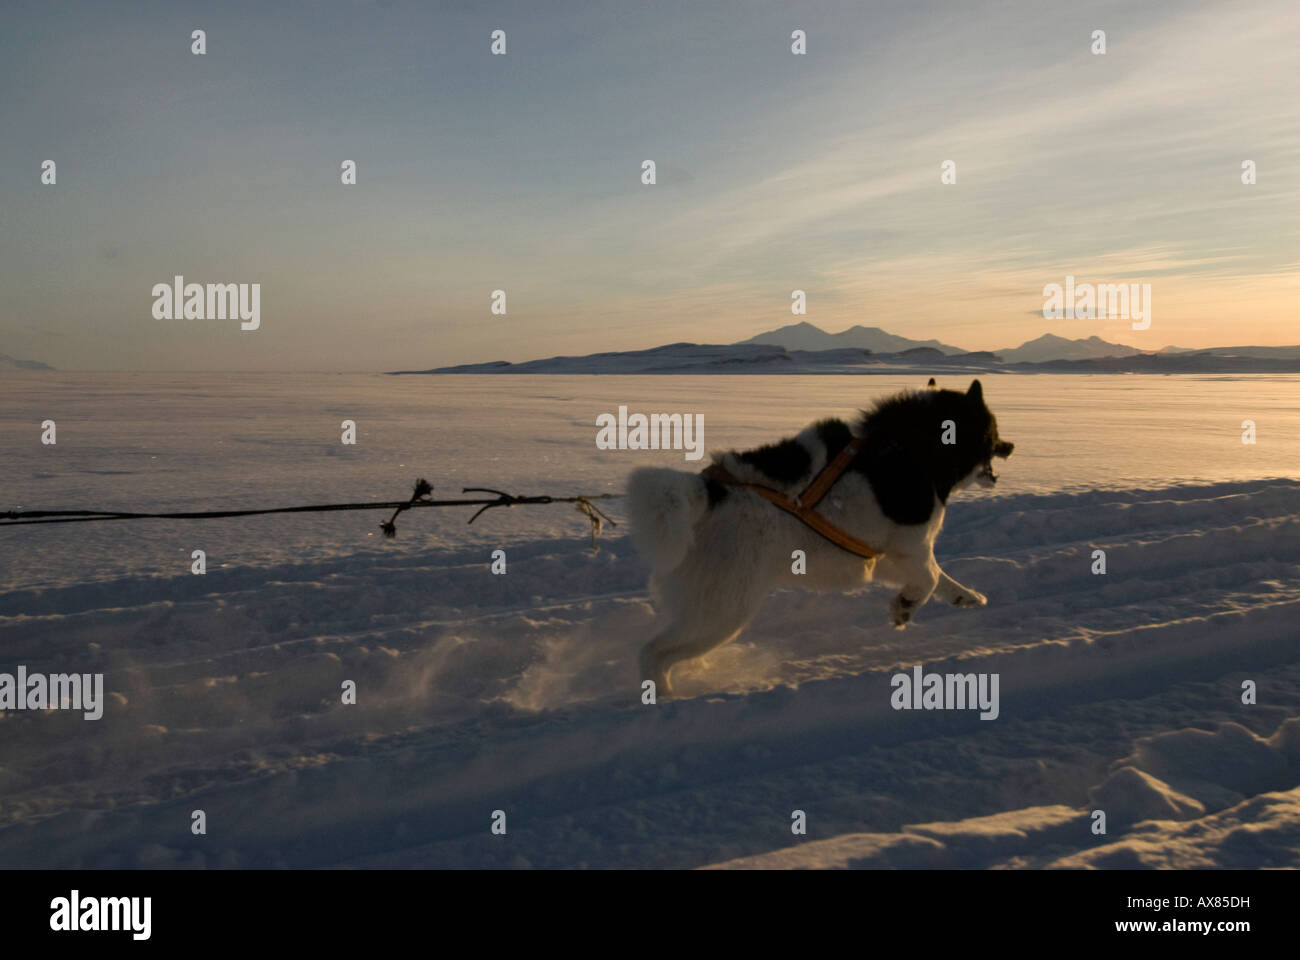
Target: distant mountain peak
(809, 336)
(13, 363)
(1050, 346)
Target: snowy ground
(477, 692)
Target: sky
(523, 172)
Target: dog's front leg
(919, 577)
(950, 591)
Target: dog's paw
(971, 598)
(900, 611)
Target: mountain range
(13, 363)
(805, 348)
(806, 336)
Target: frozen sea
(478, 692)
(143, 441)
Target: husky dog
(716, 547)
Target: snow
(1254, 820)
(477, 692)
(1129, 796)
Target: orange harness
(803, 505)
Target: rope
(419, 498)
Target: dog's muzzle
(986, 475)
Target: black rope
(419, 498)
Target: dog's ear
(932, 385)
(976, 392)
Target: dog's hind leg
(683, 641)
(707, 599)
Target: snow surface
(478, 692)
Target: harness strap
(802, 506)
(826, 479)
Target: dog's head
(988, 445)
(935, 439)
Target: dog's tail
(663, 507)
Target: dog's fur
(715, 551)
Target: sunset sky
(523, 172)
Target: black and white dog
(716, 549)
